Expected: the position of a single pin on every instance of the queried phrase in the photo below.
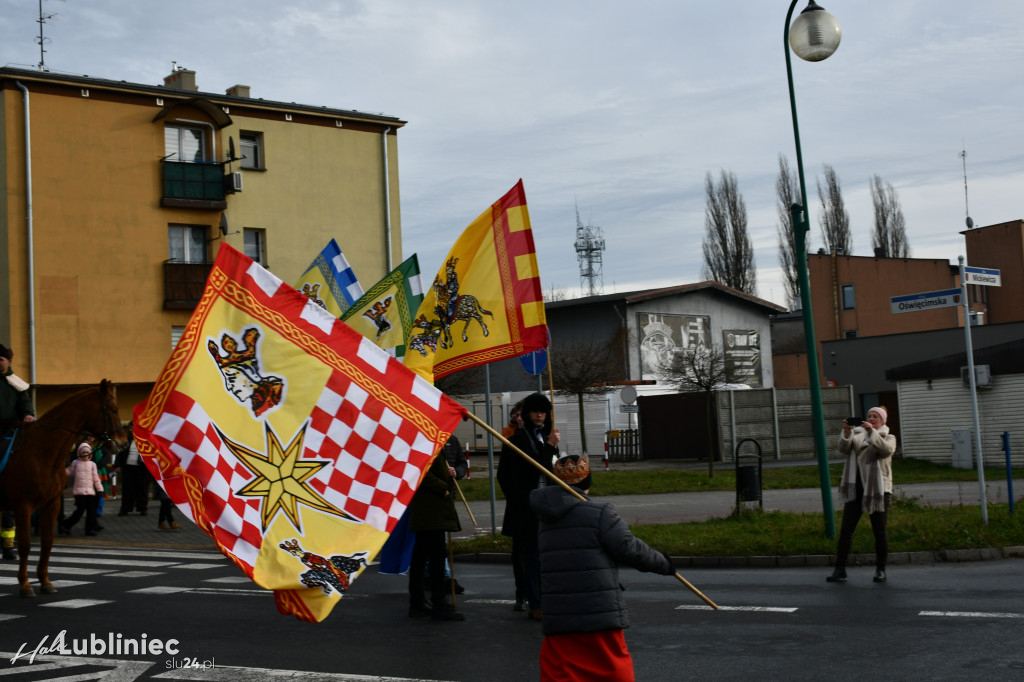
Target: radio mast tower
(589, 245)
(42, 39)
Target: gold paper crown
(572, 468)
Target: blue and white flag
(330, 282)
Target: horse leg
(22, 518)
(47, 522)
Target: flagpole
(551, 389)
(697, 592)
(457, 487)
(451, 567)
(569, 489)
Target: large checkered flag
(293, 441)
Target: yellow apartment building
(117, 196)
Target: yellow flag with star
(292, 440)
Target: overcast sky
(620, 108)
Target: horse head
(104, 423)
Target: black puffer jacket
(581, 544)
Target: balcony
(184, 284)
(193, 185)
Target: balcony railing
(184, 283)
(198, 185)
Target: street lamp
(814, 36)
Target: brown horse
(34, 478)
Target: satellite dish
(231, 149)
(970, 223)
(223, 224)
(628, 395)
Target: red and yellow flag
(486, 302)
(292, 440)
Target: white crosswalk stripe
(142, 572)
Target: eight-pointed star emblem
(281, 478)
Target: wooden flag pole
(470, 511)
(451, 567)
(697, 592)
(551, 388)
(525, 456)
(570, 490)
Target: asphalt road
(937, 622)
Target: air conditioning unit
(982, 376)
(233, 182)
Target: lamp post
(815, 36)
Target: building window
(849, 302)
(186, 243)
(255, 245)
(850, 334)
(184, 144)
(176, 332)
(252, 150)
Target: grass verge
(653, 481)
(912, 528)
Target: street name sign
(988, 277)
(913, 303)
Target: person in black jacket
(432, 513)
(581, 543)
(517, 478)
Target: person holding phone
(866, 486)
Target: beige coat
(871, 453)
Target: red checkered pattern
(378, 456)
(185, 430)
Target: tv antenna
(42, 39)
(967, 211)
(589, 245)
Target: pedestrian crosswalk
(129, 571)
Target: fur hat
(574, 470)
(84, 449)
(880, 411)
(6, 352)
(536, 402)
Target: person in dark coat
(581, 543)
(431, 514)
(135, 478)
(517, 478)
(456, 458)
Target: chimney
(238, 91)
(181, 79)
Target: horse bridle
(106, 437)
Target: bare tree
(556, 294)
(695, 370)
(728, 251)
(787, 191)
(462, 383)
(834, 219)
(890, 237)
(582, 367)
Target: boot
(838, 575)
(879, 575)
(9, 554)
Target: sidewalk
(141, 531)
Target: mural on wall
(742, 356)
(662, 335)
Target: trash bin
(748, 475)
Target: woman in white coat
(866, 486)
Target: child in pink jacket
(86, 486)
